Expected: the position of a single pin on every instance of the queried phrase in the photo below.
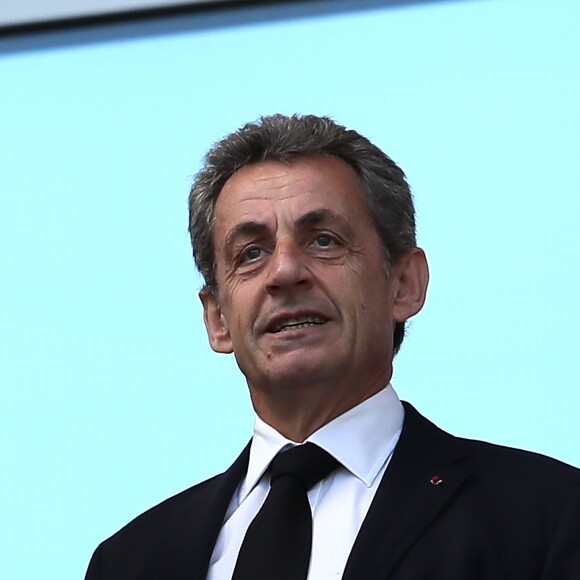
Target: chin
(302, 373)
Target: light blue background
(111, 399)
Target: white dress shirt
(362, 440)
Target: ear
(412, 274)
(215, 324)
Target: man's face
(302, 294)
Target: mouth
(296, 323)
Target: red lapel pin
(436, 480)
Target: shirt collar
(362, 439)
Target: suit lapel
(201, 520)
(406, 501)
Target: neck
(297, 413)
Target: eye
(324, 240)
(250, 254)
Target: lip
(273, 324)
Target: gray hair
(281, 138)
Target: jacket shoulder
(168, 511)
(497, 465)
(175, 535)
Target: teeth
(299, 323)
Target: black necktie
(277, 543)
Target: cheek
(240, 312)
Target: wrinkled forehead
(291, 188)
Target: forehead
(287, 190)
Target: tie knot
(308, 463)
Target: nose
(288, 268)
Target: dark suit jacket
(498, 513)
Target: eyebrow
(318, 216)
(248, 228)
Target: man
(304, 232)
